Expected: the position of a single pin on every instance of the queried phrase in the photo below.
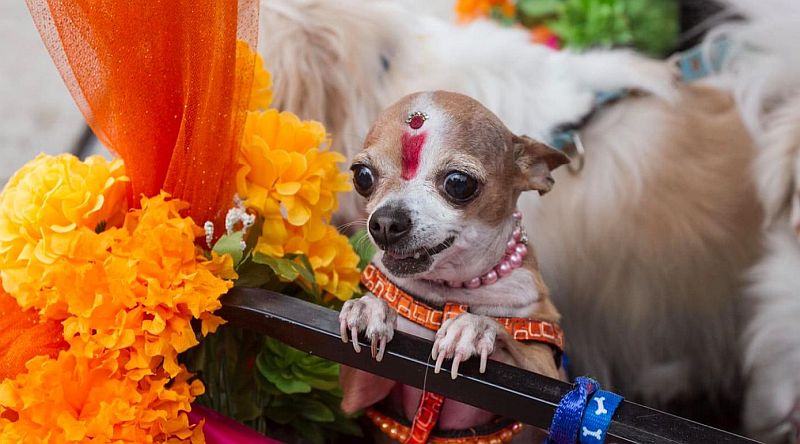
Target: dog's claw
(484, 358)
(371, 316)
(343, 329)
(439, 362)
(381, 349)
(456, 361)
(356, 345)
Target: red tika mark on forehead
(412, 150)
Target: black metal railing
(503, 389)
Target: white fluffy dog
(764, 72)
(643, 248)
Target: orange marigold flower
(127, 296)
(468, 10)
(74, 399)
(152, 281)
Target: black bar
(503, 389)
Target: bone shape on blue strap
(597, 416)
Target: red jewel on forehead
(416, 119)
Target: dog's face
(442, 175)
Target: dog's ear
(535, 161)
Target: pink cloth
(219, 429)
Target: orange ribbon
(158, 83)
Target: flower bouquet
(112, 269)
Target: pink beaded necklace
(516, 250)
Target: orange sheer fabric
(157, 81)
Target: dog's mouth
(419, 253)
(404, 262)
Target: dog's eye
(363, 179)
(460, 187)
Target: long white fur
(656, 327)
(764, 72)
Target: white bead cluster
(236, 215)
(209, 229)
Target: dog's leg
(362, 389)
(372, 316)
(463, 337)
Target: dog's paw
(463, 337)
(372, 316)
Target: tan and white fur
(643, 250)
(461, 136)
(764, 73)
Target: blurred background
(37, 113)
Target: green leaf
(363, 247)
(253, 275)
(285, 269)
(310, 431)
(314, 410)
(282, 411)
(285, 384)
(230, 244)
(344, 424)
(307, 273)
(289, 386)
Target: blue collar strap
(702, 61)
(564, 135)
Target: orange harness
(407, 306)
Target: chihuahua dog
(442, 175)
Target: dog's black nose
(389, 224)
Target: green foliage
(303, 392)
(650, 26)
(260, 381)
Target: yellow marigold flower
(51, 197)
(332, 257)
(291, 180)
(261, 92)
(281, 160)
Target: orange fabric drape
(23, 336)
(157, 82)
